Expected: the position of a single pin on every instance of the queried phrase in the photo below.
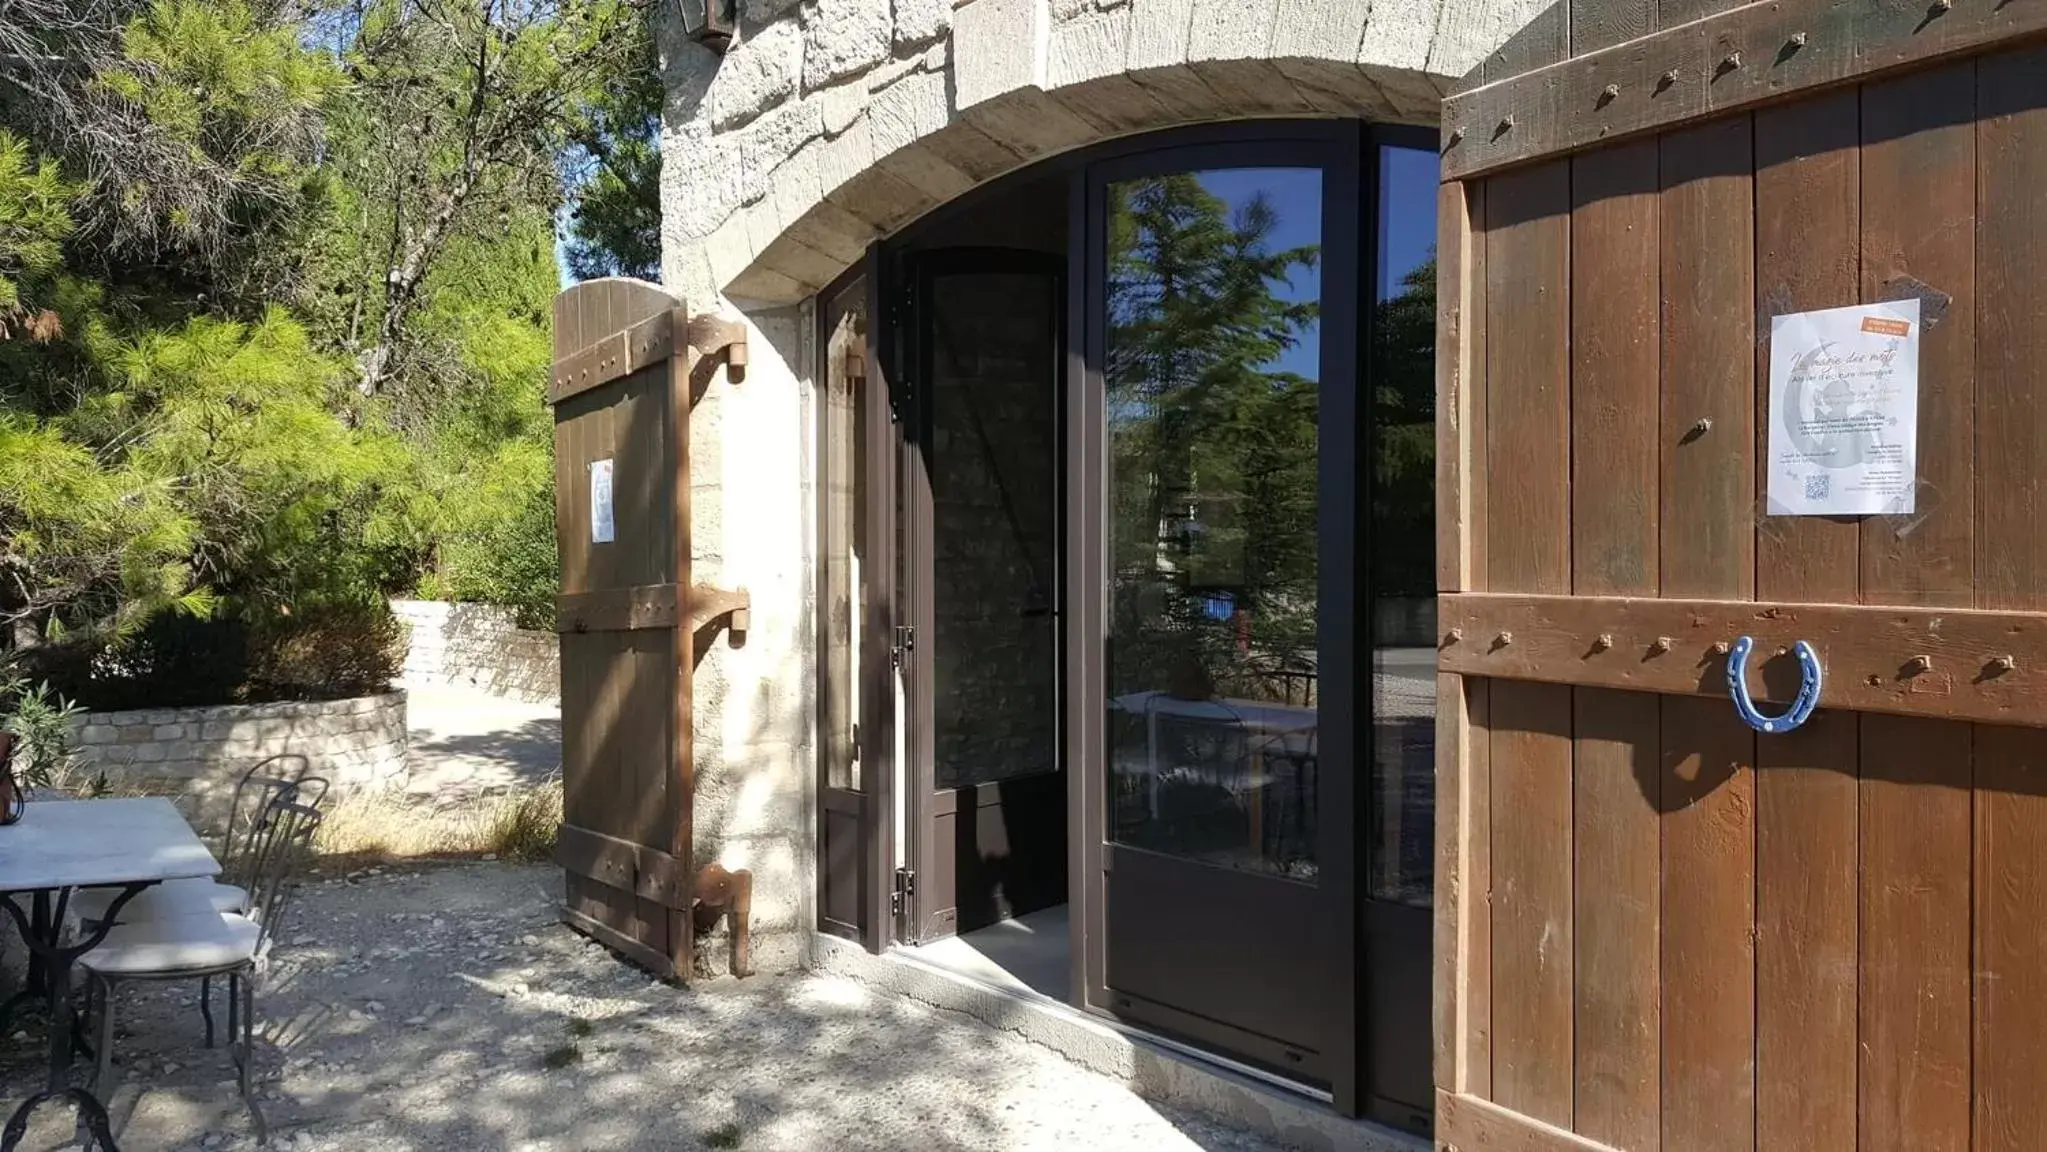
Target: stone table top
(97, 843)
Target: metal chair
(195, 941)
(93, 1125)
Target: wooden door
(1656, 927)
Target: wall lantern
(708, 22)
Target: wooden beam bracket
(727, 896)
(1960, 664)
(648, 607)
(711, 335)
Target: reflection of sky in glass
(1407, 214)
(1296, 198)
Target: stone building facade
(827, 125)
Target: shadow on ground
(445, 1009)
(466, 745)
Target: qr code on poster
(1818, 486)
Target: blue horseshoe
(1745, 706)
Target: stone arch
(834, 123)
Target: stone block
(1400, 34)
(907, 111)
(98, 734)
(843, 38)
(841, 104)
(1230, 29)
(1182, 92)
(972, 151)
(1032, 124)
(773, 139)
(133, 734)
(160, 716)
(1321, 29)
(833, 231)
(1337, 88)
(998, 46)
(1083, 50)
(1253, 86)
(150, 753)
(167, 732)
(845, 156)
(918, 21)
(918, 167)
(758, 73)
(1469, 31)
(1159, 32)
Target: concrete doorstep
(1153, 1069)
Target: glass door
(1218, 493)
(988, 788)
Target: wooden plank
(1733, 60)
(1916, 856)
(1532, 929)
(1528, 386)
(1708, 485)
(1707, 795)
(1614, 369)
(621, 942)
(1808, 198)
(1597, 24)
(613, 357)
(1918, 211)
(1463, 910)
(1475, 987)
(1472, 1122)
(1614, 548)
(636, 868)
(1865, 650)
(2010, 977)
(1808, 245)
(1618, 868)
(682, 782)
(2011, 341)
(1460, 386)
(1453, 737)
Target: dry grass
(371, 827)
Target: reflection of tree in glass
(1213, 484)
(1403, 375)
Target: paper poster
(1844, 410)
(601, 526)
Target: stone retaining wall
(478, 646)
(199, 754)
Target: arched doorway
(1145, 605)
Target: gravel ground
(446, 1009)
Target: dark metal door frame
(1335, 148)
(922, 916)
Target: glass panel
(844, 419)
(1402, 533)
(1213, 366)
(994, 459)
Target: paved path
(468, 744)
(445, 1010)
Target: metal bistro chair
(195, 941)
(252, 799)
(92, 1120)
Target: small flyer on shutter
(601, 526)
(1844, 410)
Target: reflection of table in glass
(1269, 744)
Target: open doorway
(978, 396)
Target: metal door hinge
(906, 643)
(906, 887)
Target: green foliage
(328, 652)
(35, 219)
(40, 722)
(615, 226)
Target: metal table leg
(43, 932)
